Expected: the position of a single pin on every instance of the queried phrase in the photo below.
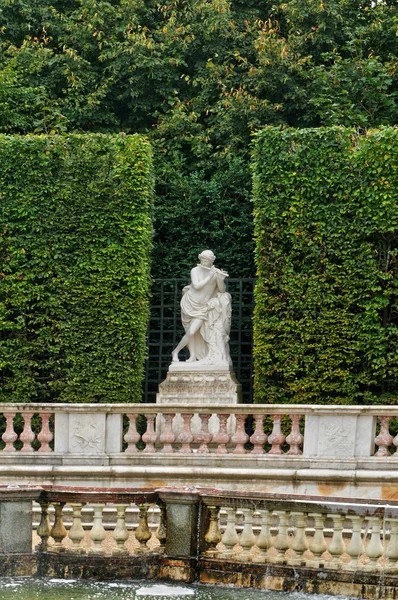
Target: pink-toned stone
(27, 436)
(132, 436)
(295, 439)
(45, 436)
(259, 438)
(149, 437)
(395, 442)
(9, 436)
(276, 439)
(203, 438)
(384, 439)
(185, 437)
(167, 437)
(222, 437)
(240, 437)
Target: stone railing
(349, 535)
(344, 451)
(258, 540)
(292, 430)
(100, 536)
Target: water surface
(27, 588)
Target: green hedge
(326, 220)
(75, 215)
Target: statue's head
(207, 257)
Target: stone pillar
(182, 521)
(15, 526)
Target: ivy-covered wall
(326, 221)
(75, 227)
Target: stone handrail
(287, 409)
(293, 430)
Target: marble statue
(206, 315)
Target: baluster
(161, 531)
(299, 543)
(76, 532)
(384, 439)
(336, 546)
(264, 538)
(240, 437)
(185, 437)
(120, 533)
(9, 436)
(213, 535)
(395, 442)
(132, 436)
(392, 549)
(27, 436)
(276, 439)
(97, 533)
(167, 437)
(222, 437)
(281, 542)
(230, 538)
(203, 438)
(355, 545)
(142, 533)
(375, 548)
(259, 438)
(44, 528)
(149, 436)
(58, 531)
(45, 436)
(318, 544)
(247, 539)
(295, 439)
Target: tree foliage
(74, 267)
(326, 320)
(199, 78)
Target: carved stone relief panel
(87, 433)
(337, 436)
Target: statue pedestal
(205, 385)
(187, 384)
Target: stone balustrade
(349, 536)
(346, 451)
(270, 541)
(98, 540)
(291, 430)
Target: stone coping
(266, 409)
(156, 461)
(104, 473)
(211, 496)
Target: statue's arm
(221, 284)
(198, 283)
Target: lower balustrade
(329, 536)
(264, 540)
(298, 533)
(74, 536)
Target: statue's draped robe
(211, 340)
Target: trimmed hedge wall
(75, 215)
(326, 221)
